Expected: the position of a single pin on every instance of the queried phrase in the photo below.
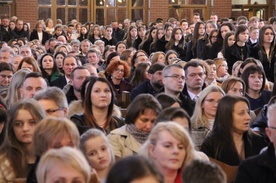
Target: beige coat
(6, 172)
(123, 143)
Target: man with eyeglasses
(174, 80)
(53, 101)
(261, 168)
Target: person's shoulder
(119, 131)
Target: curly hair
(113, 65)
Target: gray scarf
(139, 135)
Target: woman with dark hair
(204, 41)
(140, 74)
(140, 118)
(140, 38)
(145, 45)
(98, 108)
(83, 33)
(254, 79)
(16, 153)
(177, 43)
(29, 63)
(239, 50)
(265, 51)
(159, 35)
(161, 43)
(228, 41)
(169, 56)
(48, 67)
(212, 38)
(199, 32)
(120, 47)
(217, 46)
(58, 57)
(167, 100)
(136, 168)
(94, 34)
(131, 36)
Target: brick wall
(27, 10)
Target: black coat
(258, 169)
(268, 64)
(59, 82)
(235, 53)
(15, 34)
(253, 144)
(45, 36)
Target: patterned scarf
(139, 135)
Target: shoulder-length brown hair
(90, 120)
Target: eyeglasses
(176, 77)
(119, 70)
(212, 101)
(272, 127)
(51, 111)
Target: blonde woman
(63, 165)
(171, 148)
(205, 112)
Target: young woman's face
(168, 153)
(59, 59)
(255, 82)
(58, 31)
(224, 30)
(24, 126)
(153, 33)
(201, 30)
(119, 72)
(214, 37)
(169, 31)
(108, 31)
(146, 121)
(96, 31)
(121, 47)
(133, 33)
(236, 89)
(212, 71)
(231, 40)
(209, 28)
(241, 117)
(210, 104)
(243, 36)
(141, 32)
(161, 58)
(100, 95)
(160, 34)
(170, 57)
(64, 173)
(98, 153)
(178, 35)
(83, 30)
(47, 62)
(268, 36)
(222, 69)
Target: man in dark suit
(19, 32)
(4, 30)
(69, 63)
(117, 32)
(153, 85)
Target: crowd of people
(169, 102)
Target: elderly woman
(205, 112)
(140, 118)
